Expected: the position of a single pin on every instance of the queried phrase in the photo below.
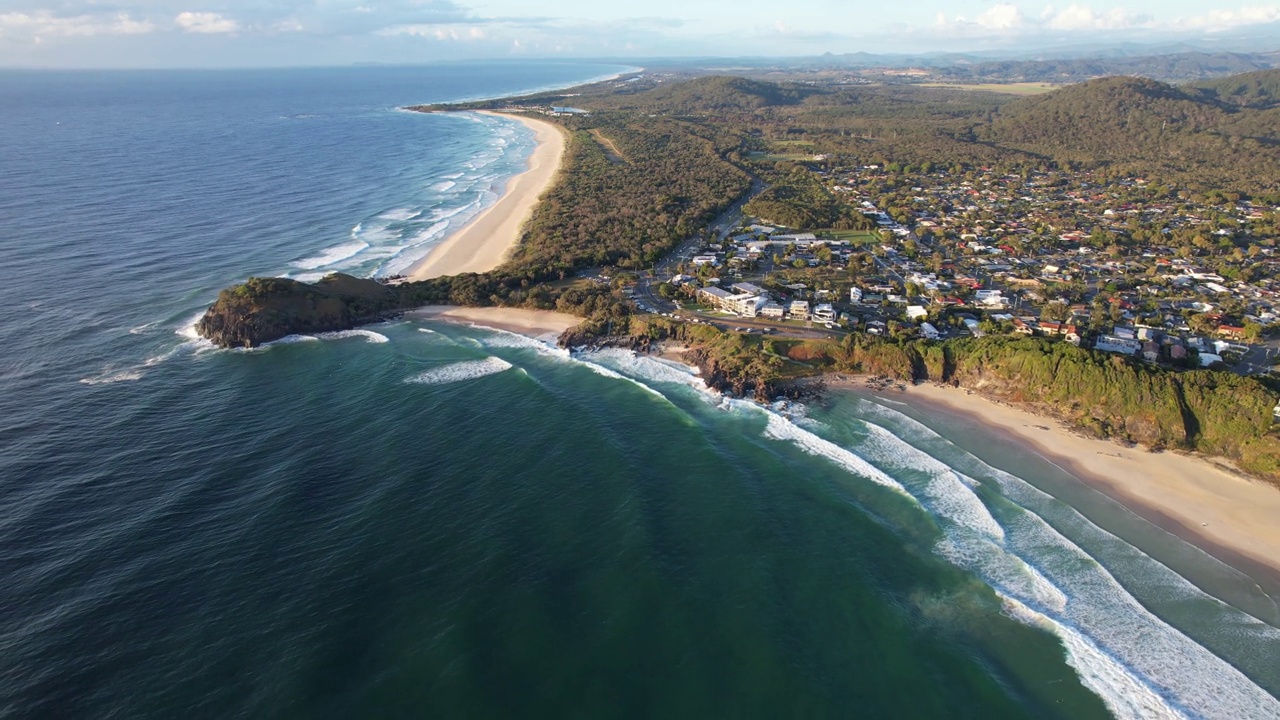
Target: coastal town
(1117, 264)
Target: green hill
(1256, 90)
(1145, 126)
(714, 94)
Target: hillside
(714, 94)
(1256, 90)
(1145, 126)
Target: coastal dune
(488, 240)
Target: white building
(915, 312)
(773, 311)
(799, 309)
(824, 312)
(1113, 344)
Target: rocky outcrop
(266, 309)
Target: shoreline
(1229, 516)
(522, 321)
(488, 239)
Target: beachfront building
(773, 311)
(799, 309)
(713, 296)
(749, 288)
(824, 312)
(1113, 344)
(744, 304)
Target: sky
(239, 33)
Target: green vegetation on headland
(655, 163)
(1103, 395)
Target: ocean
(418, 519)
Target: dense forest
(1257, 90)
(1222, 134)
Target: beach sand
(485, 243)
(1200, 500)
(517, 320)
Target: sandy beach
(487, 241)
(517, 320)
(1196, 498)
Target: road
(645, 292)
(1259, 359)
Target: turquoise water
(432, 520)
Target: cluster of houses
(748, 300)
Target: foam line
(457, 372)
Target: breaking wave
(458, 372)
(368, 335)
(1136, 662)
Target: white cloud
(205, 23)
(42, 24)
(1219, 20)
(1007, 21)
(1002, 17)
(1082, 17)
(438, 32)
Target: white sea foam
(1124, 695)
(444, 186)
(330, 256)
(649, 368)
(945, 493)
(292, 339)
(187, 328)
(1116, 644)
(457, 372)
(780, 428)
(431, 233)
(143, 329)
(400, 214)
(368, 335)
(612, 374)
(108, 377)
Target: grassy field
(1024, 88)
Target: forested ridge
(1222, 134)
